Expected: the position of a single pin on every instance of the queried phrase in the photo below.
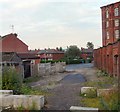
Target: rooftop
(110, 4)
(11, 34)
(28, 56)
(50, 51)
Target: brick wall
(58, 56)
(108, 59)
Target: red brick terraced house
(107, 58)
(10, 43)
(51, 54)
(86, 53)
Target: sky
(53, 23)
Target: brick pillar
(119, 59)
(119, 73)
(111, 60)
(94, 54)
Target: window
(116, 33)
(116, 22)
(107, 13)
(108, 35)
(50, 54)
(116, 12)
(107, 24)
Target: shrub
(51, 61)
(72, 61)
(11, 80)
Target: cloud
(50, 23)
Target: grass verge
(107, 102)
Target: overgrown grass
(103, 82)
(30, 91)
(108, 101)
(91, 102)
(11, 80)
(32, 79)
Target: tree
(72, 52)
(90, 45)
(61, 49)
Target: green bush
(51, 61)
(72, 61)
(11, 80)
(88, 60)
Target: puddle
(72, 79)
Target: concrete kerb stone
(29, 101)
(6, 101)
(25, 101)
(104, 92)
(89, 91)
(80, 109)
(6, 92)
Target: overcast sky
(53, 23)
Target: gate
(27, 69)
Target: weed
(32, 79)
(30, 91)
(11, 80)
(91, 93)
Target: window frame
(107, 35)
(116, 11)
(117, 34)
(116, 22)
(107, 24)
(107, 13)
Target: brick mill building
(107, 58)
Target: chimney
(15, 34)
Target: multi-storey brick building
(107, 58)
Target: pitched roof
(11, 34)
(50, 51)
(86, 50)
(34, 51)
(9, 57)
(28, 56)
(110, 4)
